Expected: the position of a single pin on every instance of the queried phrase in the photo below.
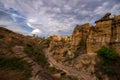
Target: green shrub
(107, 53)
(47, 43)
(65, 53)
(29, 49)
(42, 60)
(16, 64)
(37, 54)
(1, 36)
(81, 47)
(12, 63)
(54, 70)
(106, 67)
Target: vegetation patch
(54, 70)
(108, 56)
(37, 54)
(1, 36)
(107, 53)
(65, 53)
(17, 65)
(81, 48)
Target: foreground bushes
(107, 55)
(1, 36)
(54, 70)
(37, 54)
(17, 65)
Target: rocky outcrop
(106, 32)
(79, 38)
(104, 18)
(71, 51)
(56, 38)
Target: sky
(53, 17)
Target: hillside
(16, 60)
(24, 58)
(90, 53)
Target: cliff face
(106, 32)
(71, 51)
(79, 39)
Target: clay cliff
(79, 50)
(106, 32)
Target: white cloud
(115, 9)
(67, 8)
(32, 20)
(55, 16)
(13, 26)
(18, 29)
(4, 22)
(30, 25)
(37, 32)
(105, 7)
(100, 10)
